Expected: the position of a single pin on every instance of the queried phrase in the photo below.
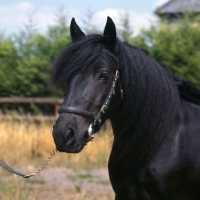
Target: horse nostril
(70, 136)
(70, 132)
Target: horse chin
(70, 149)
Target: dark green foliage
(25, 58)
(126, 31)
(8, 64)
(176, 47)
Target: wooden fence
(53, 101)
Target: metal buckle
(103, 109)
(90, 132)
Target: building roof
(179, 6)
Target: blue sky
(14, 13)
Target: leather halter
(97, 122)
(76, 111)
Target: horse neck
(142, 122)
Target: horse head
(89, 69)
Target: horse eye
(104, 76)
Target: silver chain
(43, 166)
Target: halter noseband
(97, 122)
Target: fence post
(56, 110)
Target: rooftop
(179, 6)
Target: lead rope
(5, 166)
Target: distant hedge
(26, 57)
(176, 47)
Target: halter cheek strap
(96, 124)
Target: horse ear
(75, 30)
(110, 32)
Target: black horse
(155, 116)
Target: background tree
(177, 48)
(126, 31)
(8, 63)
(26, 57)
(26, 60)
(88, 25)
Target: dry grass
(26, 145)
(31, 143)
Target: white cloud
(18, 7)
(14, 16)
(137, 21)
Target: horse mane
(156, 94)
(152, 101)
